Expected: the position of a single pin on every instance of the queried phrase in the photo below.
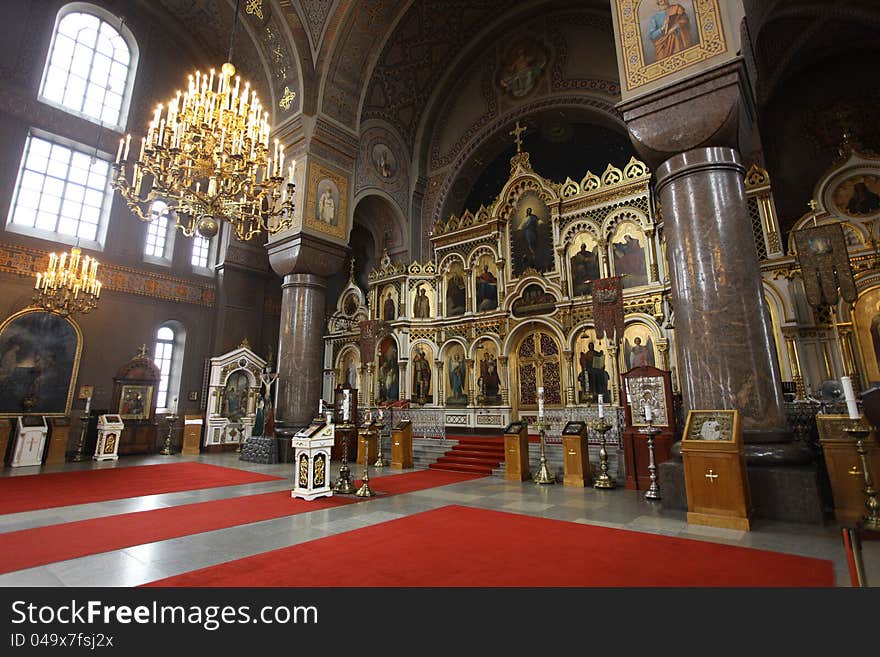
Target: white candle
(850, 396)
(601, 407)
(88, 405)
(174, 405)
(648, 417)
(346, 405)
(540, 402)
(321, 406)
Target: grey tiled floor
(618, 508)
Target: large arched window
(170, 341)
(160, 241)
(91, 65)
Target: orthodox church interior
(293, 277)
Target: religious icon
(455, 291)
(328, 201)
(628, 255)
(421, 305)
(384, 161)
(457, 375)
(638, 353)
(668, 29)
(350, 305)
(389, 310)
(592, 375)
(235, 396)
(524, 64)
(134, 402)
(389, 385)
(421, 377)
(487, 285)
(584, 268)
(534, 301)
(489, 380)
(858, 196)
(530, 234)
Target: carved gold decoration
(318, 174)
(287, 98)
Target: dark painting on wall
(388, 375)
(531, 236)
(39, 358)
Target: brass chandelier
(207, 156)
(69, 285)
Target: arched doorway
(538, 363)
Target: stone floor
(617, 508)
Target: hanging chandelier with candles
(207, 155)
(69, 285)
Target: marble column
(300, 347)
(724, 338)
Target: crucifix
(142, 352)
(517, 136)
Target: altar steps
(473, 455)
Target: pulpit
(30, 440)
(844, 466)
(368, 443)
(401, 446)
(59, 435)
(578, 471)
(516, 451)
(192, 435)
(311, 456)
(715, 474)
(110, 428)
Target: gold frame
(691, 437)
(707, 23)
(71, 388)
(317, 173)
(148, 401)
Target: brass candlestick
(872, 518)
(365, 490)
(653, 492)
(166, 448)
(80, 455)
(381, 462)
(343, 485)
(543, 476)
(604, 480)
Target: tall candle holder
(872, 518)
(381, 461)
(79, 455)
(543, 475)
(343, 485)
(653, 492)
(167, 450)
(365, 490)
(603, 480)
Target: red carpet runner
(456, 546)
(478, 455)
(43, 491)
(41, 545)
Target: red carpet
(457, 546)
(44, 491)
(475, 454)
(41, 545)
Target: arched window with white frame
(159, 243)
(91, 65)
(168, 356)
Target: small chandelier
(207, 156)
(69, 285)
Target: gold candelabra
(653, 492)
(381, 461)
(543, 475)
(343, 485)
(79, 455)
(604, 480)
(69, 284)
(872, 517)
(365, 490)
(167, 449)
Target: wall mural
(522, 67)
(531, 236)
(39, 359)
(384, 161)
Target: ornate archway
(538, 363)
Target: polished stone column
(726, 354)
(300, 347)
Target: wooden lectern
(192, 435)
(59, 433)
(368, 443)
(5, 431)
(646, 386)
(715, 474)
(516, 452)
(401, 446)
(844, 467)
(578, 471)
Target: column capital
(301, 253)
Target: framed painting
(39, 361)
(661, 37)
(327, 202)
(712, 425)
(531, 236)
(134, 402)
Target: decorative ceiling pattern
(426, 41)
(316, 13)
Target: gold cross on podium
(142, 352)
(517, 136)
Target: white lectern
(311, 448)
(30, 440)
(109, 429)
